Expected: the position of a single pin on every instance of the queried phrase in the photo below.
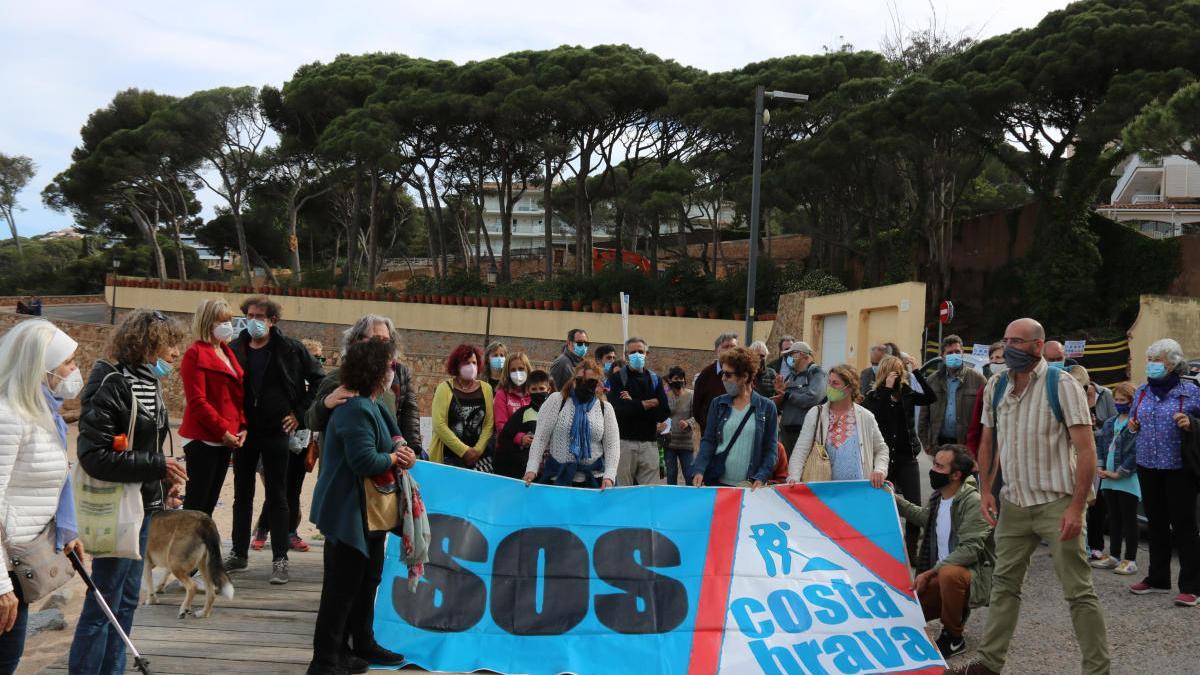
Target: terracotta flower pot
(615, 307)
(739, 316)
(713, 314)
(680, 311)
(557, 305)
(576, 305)
(597, 306)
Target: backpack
(1052, 375)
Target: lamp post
(761, 117)
(491, 287)
(112, 316)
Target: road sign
(946, 312)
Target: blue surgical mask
(580, 350)
(954, 361)
(637, 361)
(608, 366)
(1057, 364)
(1156, 370)
(790, 361)
(160, 369)
(496, 362)
(257, 328)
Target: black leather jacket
(106, 403)
(401, 400)
(301, 373)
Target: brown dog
(182, 542)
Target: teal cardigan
(357, 444)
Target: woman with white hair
(1162, 413)
(37, 373)
(764, 384)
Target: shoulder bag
(38, 566)
(817, 467)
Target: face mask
(998, 368)
(732, 387)
(937, 481)
(637, 361)
(834, 395)
(608, 366)
(580, 350)
(387, 381)
(496, 362)
(676, 384)
(468, 371)
(585, 392)
(160, 369)
(1123, 408)
(1017, 360)
(256, 328)
(790, 361)
(537, 398)
(224, 332)
(954, 361)
(875, 369)
(518, 377)
(69, 386)
(1156, 370)
(1057, 364)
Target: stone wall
(11, 300)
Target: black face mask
(585, 392)
(537, 398)
(937, 481)
(676, 384)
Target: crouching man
(957, 553)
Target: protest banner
(664, 579)
(1073, 349)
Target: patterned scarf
(841, 427)
(414, 529)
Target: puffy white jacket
(33, 470)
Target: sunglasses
(729, 375)
(579, 382)
(582, 344)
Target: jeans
(12, 643)
(295, 482)
(206, 467)
(906, 476)
(947, 597)
(638, 463)
(273, 449)
(347, 599)
(1122, 522)
(1018, 534)
(677, 459)
(97, 648)
(1169, 497)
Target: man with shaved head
(1056, 355)
(1048, 456)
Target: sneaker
(279, 571)
(1104, 562)
(1096, 554)
(297, 544)
(379, 656)
(259, 541)
(1186, 600)
(974, 668)
(354, 665)
(1126, 567)
(235, 563)
(1143, 588)
(949, 644)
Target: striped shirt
(1036, 456)
(145, 388)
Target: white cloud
(60, 61)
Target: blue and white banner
(542, 580)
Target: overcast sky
(59, 61)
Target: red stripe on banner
(714, 591)
(935, 670)
(892, 571)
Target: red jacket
(213, 394)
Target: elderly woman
(1162, 412)
(145, 346)
(360, 442)
(37, 372)
(856, 447)
(577, 428)
(764, 384)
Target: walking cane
(139, 661)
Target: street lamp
(490, 280)
(112, 316)
(761, 117)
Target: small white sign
(1074, 348)
(980, 352)
(904, 305)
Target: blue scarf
(64, 516)
(581, 430)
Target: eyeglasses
(729, 375)
(1015, 341)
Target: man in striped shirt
(1048, 465)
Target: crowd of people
(1027, 452)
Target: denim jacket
(712, 444)
(1126, 459)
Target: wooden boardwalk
(264, 629)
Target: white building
(1158, 197)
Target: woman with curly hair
(851, 436)
(734, 452)
(144, 348)
(462, 411)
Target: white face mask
(387, 381)
(69, 386)
(518, 377)
(224, 332)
